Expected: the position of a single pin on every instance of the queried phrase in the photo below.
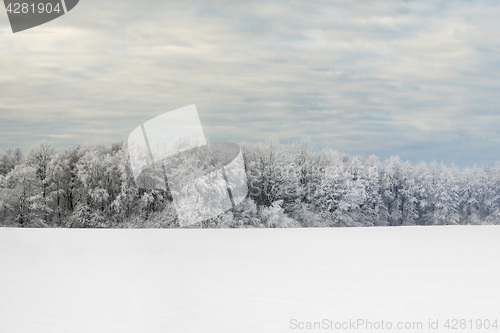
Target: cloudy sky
(418, 79)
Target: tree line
(289, 186)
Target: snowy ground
(106, 281)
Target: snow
(243, 280)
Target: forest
(289, 186)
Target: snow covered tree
(39, 158)
(446, 197)
(24, 189)
(9, 160)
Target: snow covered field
(254, 280)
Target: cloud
(378, 78)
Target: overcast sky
(418, 79)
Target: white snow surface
(243, 280)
